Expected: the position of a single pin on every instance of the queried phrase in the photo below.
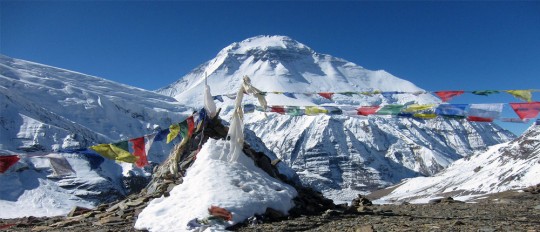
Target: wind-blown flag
(291, 95)
(447, 95)
(294, 110)
(148, 144)
(333, 110)
(326, 95)
(139, 151)
(113, 152)
(191, 125)
(174, 129)
(313, 110)
(390, 110)
(452, 110)
(349, 94)
(218, 97)
(367, 110)
(161, 135)
(425, 116)
(7, 161)
(484, 92)
(277, 109)
(484, 112)
(60, 165)
(526, 110)
(249, 108)
(417, 107)
(525, 95)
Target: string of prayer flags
(348, 94)
(526, 110)
(390, 110)
(114, 152)
(326, 95)
(525, 95)
(333, 110)
(367, 110)
(6, 161)
(174, 129)
(452, 110)
(484, 112)
(484, 92)
(139, 151)
(447, 95)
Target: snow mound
(242, 188)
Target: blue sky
(436, 45)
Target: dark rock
(361, 201)
(273, 214)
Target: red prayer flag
(479, 119)
(139, 151)
(326, 95)
(447, 95)
(191, 125)
(7, 161)
(367, 110)
(220, 212)
(278, 109)
(526, 109)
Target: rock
(363, 209)
(78, 211)
(273, 214)
(135, 202)
(366, 228)
(330, 213)
(42, 228)
(108, 220)
(361, 201)
(537, 207)
(458, 223)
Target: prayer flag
(390, 110)
(447, 95)
(425, 116)
(277, 109)
(231, 96)
(326, 95)
(525, 95)
(526, 110)
(7, 161)
(367, 110)
(312, 110)
(123, 145)
(60, 165)
(149, 142)
(417, 107)
(174, 129)
(349, 94)
(113, 152)
(218, 97)
(209, 104)
(451, 110)
(405, 115)
(184, 129)
(161, 135)
(220, 212)
(249, 108)
(139, 151)
(484, 92)
(486, 111)
(333, 110)
(291, 95)
(294, 110)
(191, 125)
(537, 122)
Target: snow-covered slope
(44, 109)
(240, 187)
(338, 155)
(508, 166)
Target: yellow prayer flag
(174, 129)
(312, 110)
(115, 153)
(525, 95)
(425, 116)
(417, 107)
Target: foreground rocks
(508, 211)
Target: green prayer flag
(294, 110)
(124, 145)
(485, 92)
(390, 110)
(115, 153)
(174, 129)
(184, 129)
(525, 95)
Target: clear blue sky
(436, 45)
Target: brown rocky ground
(508, 211)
